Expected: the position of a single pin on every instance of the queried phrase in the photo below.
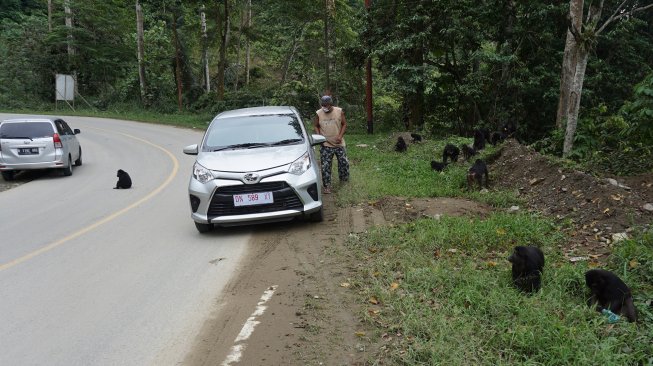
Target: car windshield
(248, 132)
(26, 130)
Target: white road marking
(247, 330)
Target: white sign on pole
(65, 87)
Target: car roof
(257, 111)
(15, 120)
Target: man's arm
(343, 127)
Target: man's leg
(326, 155)
(343, 164)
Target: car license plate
(248, 199)
(28, 151)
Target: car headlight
(202, 174)
(301, 165)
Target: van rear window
(26, 130)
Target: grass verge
(439, 292)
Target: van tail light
(57, 141)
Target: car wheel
(78, 162)
(68, 170)
(317, 216)
(8, 175)
(203, 228)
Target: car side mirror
(191, 149)
(317, 139)
(77, 131)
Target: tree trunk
(69, 25)
(223, 26)
(177, 61)
(569, 60)
(574, 100)
(291, 54)
(327, 50)
(50, 15)
(205, 51)
(140, 45)
(247, 45)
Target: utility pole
(368, 85)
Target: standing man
(330, 122)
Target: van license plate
(248, 199)
(28, 151)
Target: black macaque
(497, 137)
(509, 128)
(437, 166)
(401, 145)
(527, 267)
(124, 180)
(479, 140)
(450, 151)
(468, 151)
(486, 133)
(476, 173)
(610, 292)
(416, 137)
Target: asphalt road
(91, 275)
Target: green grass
(444, 287)
(455, 305)
(379, 171)
(181, 119)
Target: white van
(38, 143)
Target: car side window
(67, 128)
(60, 129)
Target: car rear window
(266, 129)
(26, 130)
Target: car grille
(285, 198)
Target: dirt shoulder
(312, 318)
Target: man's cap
(326, 100)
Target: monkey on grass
(527, 266)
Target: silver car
(38, 143)
(255, 165)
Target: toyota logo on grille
(251, 178)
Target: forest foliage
(441, 67)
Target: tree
(577, 53)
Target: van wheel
(203, 228)
(68, 170)
(78, 162)
(8, 175)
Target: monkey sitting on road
(437, 166)
(401, 145)
(610, 292)
(527, 267)
(476, 173)
(124, 181)
(450, 151)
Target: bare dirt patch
(591, 207)
(312, 317)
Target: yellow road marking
(103, 221)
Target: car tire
(78, 162)
(203, 228)
(8, 175)
(68, 169)
(317, 216)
